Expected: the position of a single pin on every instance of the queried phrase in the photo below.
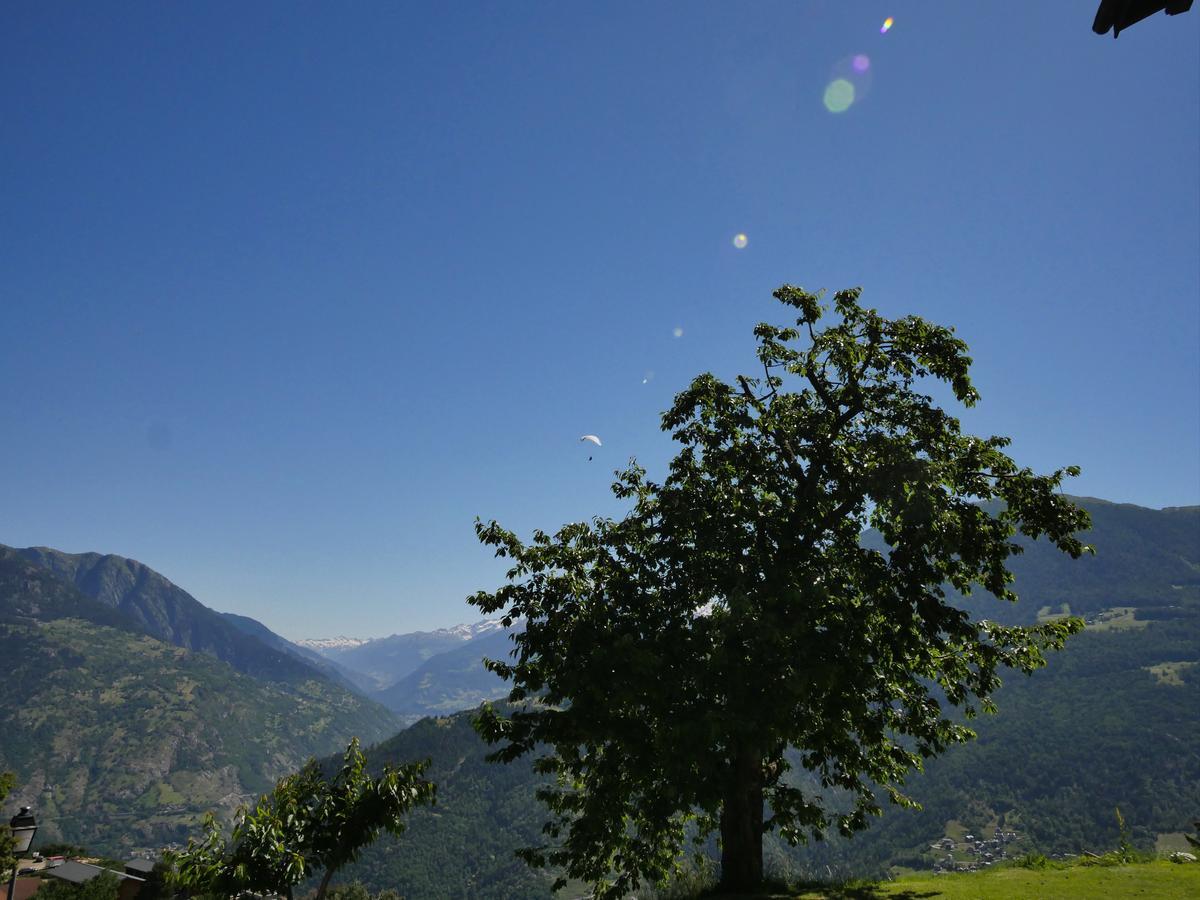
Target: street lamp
(23, 827)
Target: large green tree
(308, 824)
(669, 657)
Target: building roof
(79, 872)
(139, 866)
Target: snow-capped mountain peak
(476, 629)
(463, 632)
(334, 643)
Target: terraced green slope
(120, 740)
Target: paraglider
(591, 437)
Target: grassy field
(1146, 881)
(1170, 672)
(1117, 618)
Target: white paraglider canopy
(591, 437)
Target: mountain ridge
(332, 670)
(385, 661)
(121, 740)
(450, 681)
(168, 612)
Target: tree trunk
(742, 827)
(324, 883)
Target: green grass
(1116, 619)
(1049, 614)
(1170, 672)
(1159, 880)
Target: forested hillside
(1111, 722)
(169, 613)
(120, 740)
(450, 681)
(1148, 558)
(463, 846)
(327, 667)
(382, 662)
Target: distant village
(973, 852)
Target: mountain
(334, 671)
(450, 681)
(462, 847)
(120, 740)
(1144, 558)
(384, 661)
(169, 613)
(320, 645)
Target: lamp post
(24, 827)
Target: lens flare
(887, 25)
(861, 63)
(839, 95)
(740, 241)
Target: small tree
(670, 657)
(7, 781)
(105, 886)
(307, 824)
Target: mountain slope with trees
(168, 612)
(1145, 558)
(121, 740)
(383, 662)
(463, 846)
(450, 681)
(346, 677)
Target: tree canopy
(670, 657)
(308, 824)
(105, 886)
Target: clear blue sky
(290, 293)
